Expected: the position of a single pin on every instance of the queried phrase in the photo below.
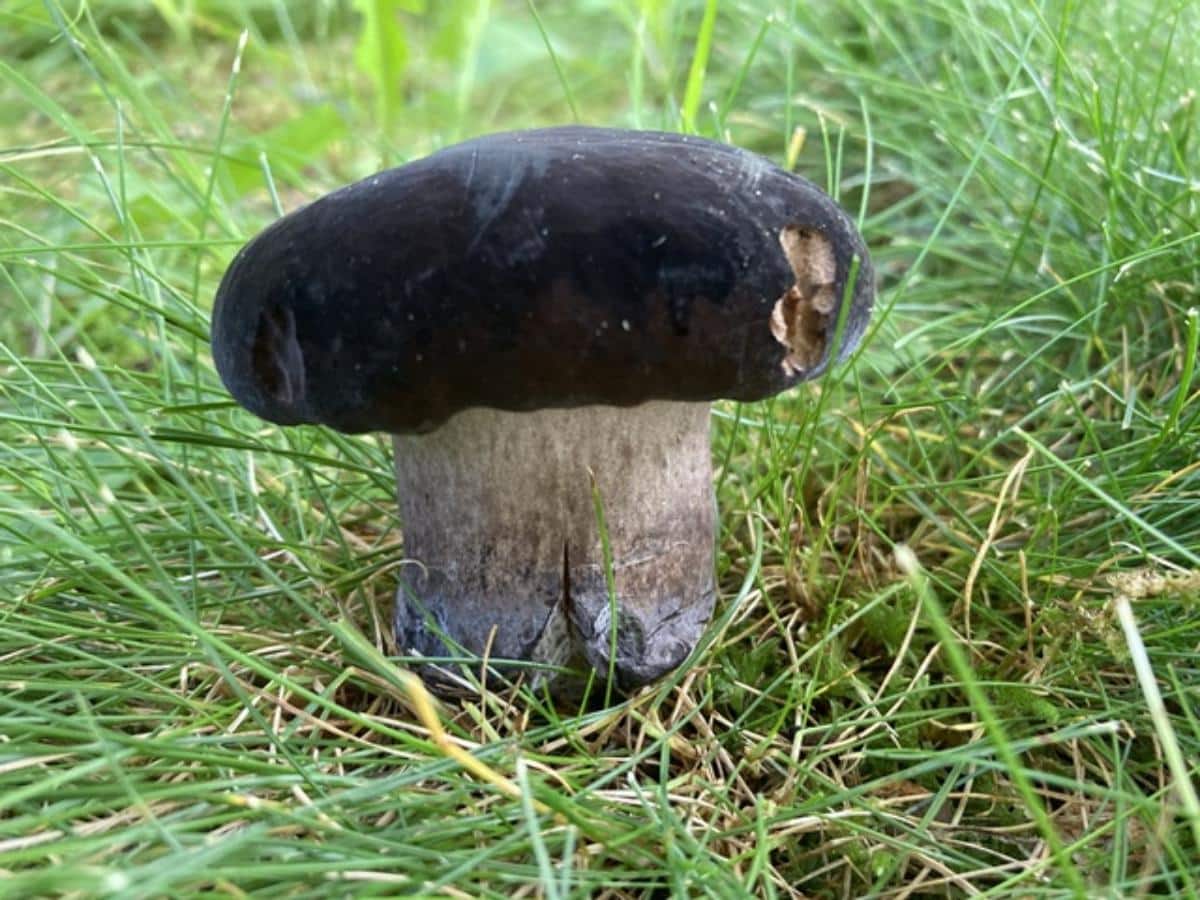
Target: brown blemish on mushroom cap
(804, 316)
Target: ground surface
(957, 638)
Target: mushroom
(541, 320)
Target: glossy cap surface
(551, 268)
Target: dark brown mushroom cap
(551, 268)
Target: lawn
(957, 641)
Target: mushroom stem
(503, 511)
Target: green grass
(957, 647)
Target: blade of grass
(693, 91)
(906, 560)
(558, 69)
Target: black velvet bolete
(541, 319)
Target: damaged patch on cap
(803, 317)
(276, 357)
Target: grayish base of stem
(501, 512)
